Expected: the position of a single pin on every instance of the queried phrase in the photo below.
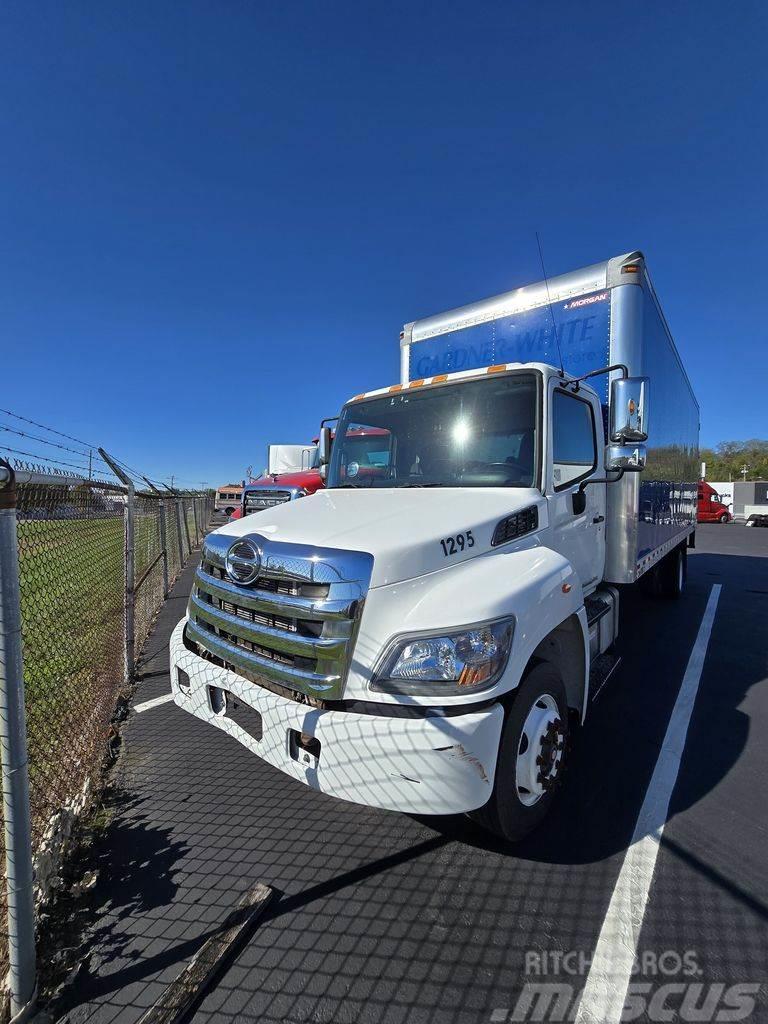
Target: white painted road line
(154, 703)
(602, 1000)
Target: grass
(71, 577)
(72, 589)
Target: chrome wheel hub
(540, 753)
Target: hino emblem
(243, 562)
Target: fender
(531, 582)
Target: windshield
(479, 433)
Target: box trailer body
(750, 501)
(290, 458)
(601, 315)
(423, 633)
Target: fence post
(15, 770)
(129, 549)
(163, 545)
(197, 525)
(177, 503)
(163, 537)
(186, 528)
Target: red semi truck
(710, 508)
(372, 451)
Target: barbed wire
(91, 452)
(44, 457)
(52, 444)
(22, 466)
(50, 430)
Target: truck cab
(425, 632)
(276, 488)
(710, 506)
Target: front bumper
(425, 765)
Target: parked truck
(711, 506)
(426, 632)
(274, 488)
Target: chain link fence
(93, 558)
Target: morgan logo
(586, 301)
(243, 562)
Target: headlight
(459, 661)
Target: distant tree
(728, 459)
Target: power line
(549, 303)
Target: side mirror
(625, 458)
(629, 409)
(324, 446)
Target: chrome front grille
(295, 625)
(255, 501)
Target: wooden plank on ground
(184, 991)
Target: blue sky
(217, 216)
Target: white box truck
(424, 633)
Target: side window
(574, 452)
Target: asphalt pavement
(381, 918)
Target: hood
(309, 479)
(404, 529)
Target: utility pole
(744, 470)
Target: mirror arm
(602, 479)
(596, 373)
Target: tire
(673, 572)
(724, 518)
(536, 725)
(229, 510)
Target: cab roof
(458, 375)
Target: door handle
(599, 519)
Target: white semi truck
(424, 633)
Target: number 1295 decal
(453, 545)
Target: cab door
(576, 447)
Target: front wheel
(724, 518)
(531, 753)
